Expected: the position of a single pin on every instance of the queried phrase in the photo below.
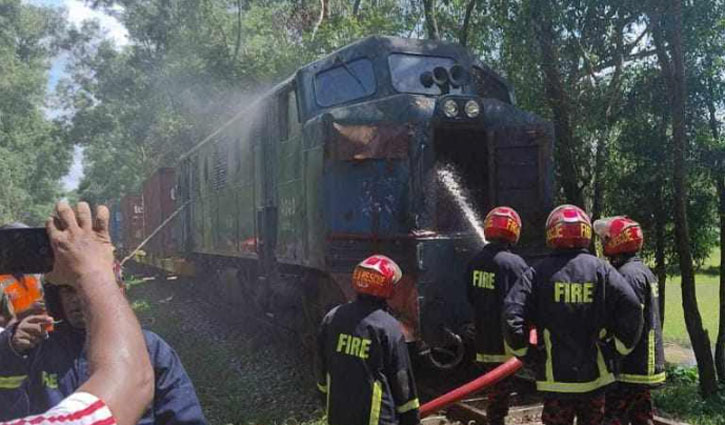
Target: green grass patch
(707, 281)
(140, 306)
(679, 399)
(708, 300)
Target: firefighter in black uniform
(575, 301)
(489, 276)
(630, 400)
(363, 363)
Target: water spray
(450, 181)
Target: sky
(78, 12)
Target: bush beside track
(244, 373)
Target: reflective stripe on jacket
(364, 368)
(574, 300)
(645, 365)
(58, 367)
(489, 276)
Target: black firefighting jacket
(575, 301)
(489, 276)
(364, 368)
(646, 364)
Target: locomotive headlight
(450, 108)
(472, 108)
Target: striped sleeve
(77, 409)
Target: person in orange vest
(489, 276)
(22, 297)
(630, 401)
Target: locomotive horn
(440, 76)
(426, 79)
(441, 79)
(458, 76)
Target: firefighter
(489, 276)
(630, 400)
(575, 301)
(362, 361)
(54, 365)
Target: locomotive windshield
(345, 82)
(405, 70)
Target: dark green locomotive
(343, 160)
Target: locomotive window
(345, 82)
(405, 70)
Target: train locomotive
(342, 160)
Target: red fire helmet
(620, 235)
(376, 276)
(568, 226)
(502, 224)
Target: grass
(708, 300)
(707, 282)
(681, 397)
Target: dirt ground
(245, 371)
(679, 354)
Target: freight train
(342, 160)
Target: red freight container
(132, 229)
(159, 203)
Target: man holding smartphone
(121, 384)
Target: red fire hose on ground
(484, 381)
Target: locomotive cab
(420, 140)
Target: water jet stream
(447, 177)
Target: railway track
(472, 411)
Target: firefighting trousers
(587, 410)
(498, 401)
(629, 404)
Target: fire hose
(505, 370)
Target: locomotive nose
(459, 109)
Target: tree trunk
(238, 42)
(431, 24)
(674, 74)
(463, 39)
(720, 343)
(560, 106)
(324, 14)
(660, 264)
(720, 185)
(599, 166)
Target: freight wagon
(344, 159)
(131, 223)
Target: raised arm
(121, 374)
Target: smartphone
(25, 251)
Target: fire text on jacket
(353, 346)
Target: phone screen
(25, 251)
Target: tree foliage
(33, 155)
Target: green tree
(33, 156)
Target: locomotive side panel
(291, 231)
